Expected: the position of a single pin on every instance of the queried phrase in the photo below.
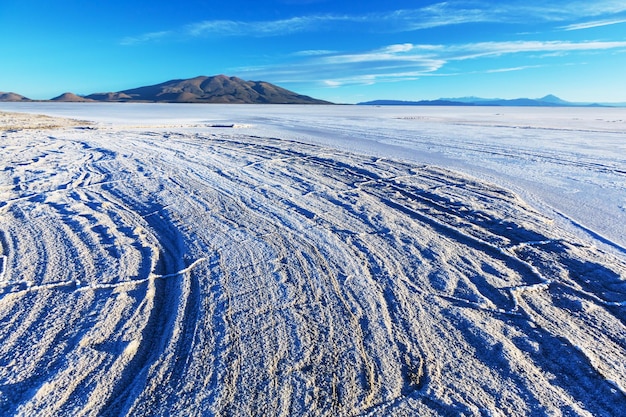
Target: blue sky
(336, 50)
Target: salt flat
(331, 260)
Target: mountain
(216, 89)
(550, 98)
(547, 101)
(109, 97)
(440, 102)
(469, 100)
(70, 97)
(12, 97)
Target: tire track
(190, 274)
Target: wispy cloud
(594, 24)
(596, 8)
(443, 14)
(314, 52)
(398, 48)
(332, 83)
(235, 28)
(401, 62)
(146, 37)
(447, 13)
(437, 15)
(485, 49)
(261, 28)
(433, 56)
(557, 10)
(374, 78)
(525, 67)
(393, 56)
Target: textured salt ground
(154, 272)
(569, 163)
(20, 121)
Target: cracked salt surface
(321, 261)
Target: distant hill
(547, 101)
(440, 102)
(550, 98)
(70, 97)
(12, 97)
(109, 97)
(216, 89)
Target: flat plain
(311, 260)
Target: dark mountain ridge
(202, 89)
(12, 97)
(70, 97)
(216, 89)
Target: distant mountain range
(547, 101)
(216, 89)
(224, 89)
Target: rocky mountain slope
(202, 89)
(12, 97)
(216, 89)
(70, 97)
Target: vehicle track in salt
(163, 272)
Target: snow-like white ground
(319, 260)
(568, 161)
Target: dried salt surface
(201, 272)
(19, 121)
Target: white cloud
(146, 37)
(430, 58)
(554, 10)
(512, 69)
(314, 52)
(392, 49)
(449, 13)
(437, 15)
(397, 53)
(332, 83)
(401, 62)
(595, 8)
(594, 24)
(483, 49)
(222, 27)
(441, 14)
(261, 28)
(373, 78)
